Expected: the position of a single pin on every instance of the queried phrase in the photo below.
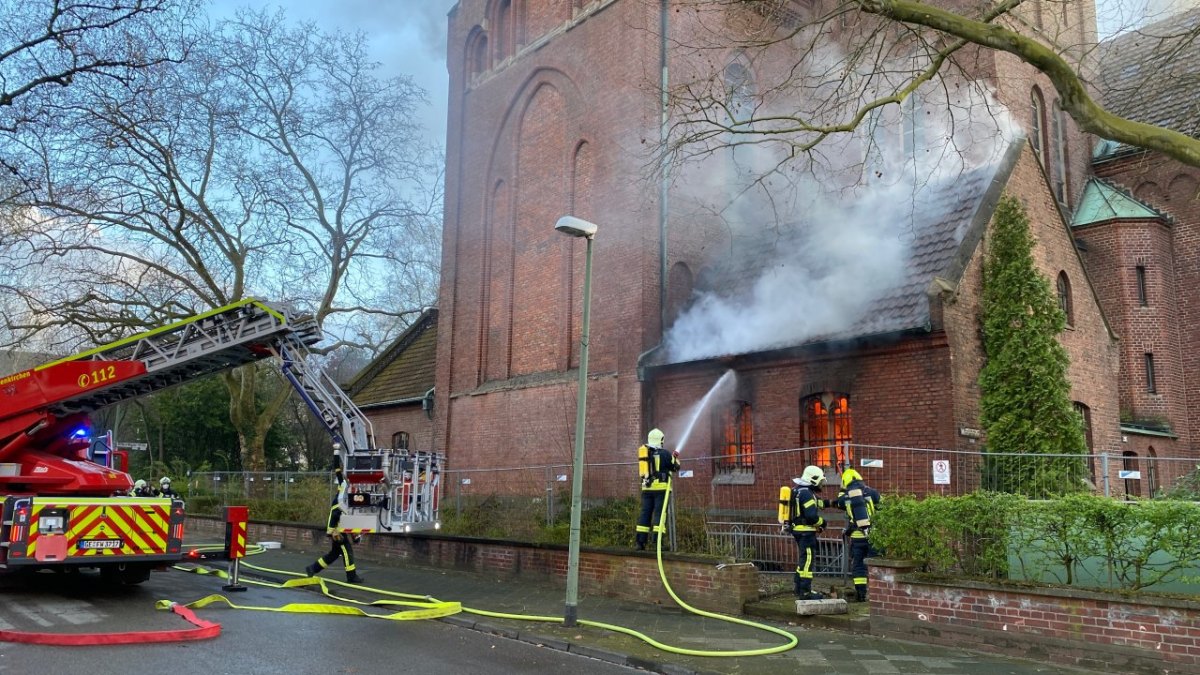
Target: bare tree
(272, 162)
(828, 69)
(52, 43)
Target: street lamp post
(577, 227)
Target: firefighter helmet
(849, 476)
(813, 476)
(164, 481)
(655, 439)
(139, 484)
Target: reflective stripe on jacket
(806, 510)
(655, 466)
(859, 502)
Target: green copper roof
(1101, 201)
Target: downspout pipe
(664, 167)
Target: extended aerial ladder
(43, 455)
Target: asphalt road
(250, 642)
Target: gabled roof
(946, 222)
(404, 372)
(1152, 75)
(1103, 201)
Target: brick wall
(897, 398)
(1100, 631)
(409, 418)
(561, 122)
(555, 129)
(700, 582)
(1090, 344)
(1171, 254)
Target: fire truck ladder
(212, 342)
(390, 490)
(344, 420)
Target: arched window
(827, 430)
(1037, 124)
(1058, 167)
(739, 91)
(875, 144)
(400, 440)
(1129, 465)
(914, 127)
(1064, 298)
(1151, 377)
(734, 438)
(1151, 470)
(477, 54)
(504, 30)
(1085, 415)
(679, 290)
(1085, 418)
(739, 109)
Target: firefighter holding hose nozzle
(655, 466)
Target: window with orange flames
(734, 435)
(827, 430)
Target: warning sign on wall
(941, 472)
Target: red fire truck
(66, 504)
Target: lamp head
(576, 227)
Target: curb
(615, 658)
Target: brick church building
(555, 109)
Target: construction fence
(722, 507)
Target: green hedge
(1079, 537)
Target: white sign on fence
(871, 463)
(562, 477)
(133, 446)
(941, 472)
(1129, 475)
(685, 474)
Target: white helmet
(164, 481)
(139, 484)
(655, 439)
(813, 476)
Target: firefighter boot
(312, 570)
(861, 593)
(353, 578)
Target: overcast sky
(407, 36)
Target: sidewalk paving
(821, 650)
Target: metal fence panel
(725, 512)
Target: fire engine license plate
(99, 543)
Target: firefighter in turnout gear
(141, 489)
(341, 545)
(859, 502)
(165, 490)
(655, 466)
(800, 514)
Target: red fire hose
(203, 630)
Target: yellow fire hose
(426, 607)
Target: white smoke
(834, 236)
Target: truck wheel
(122, 574)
